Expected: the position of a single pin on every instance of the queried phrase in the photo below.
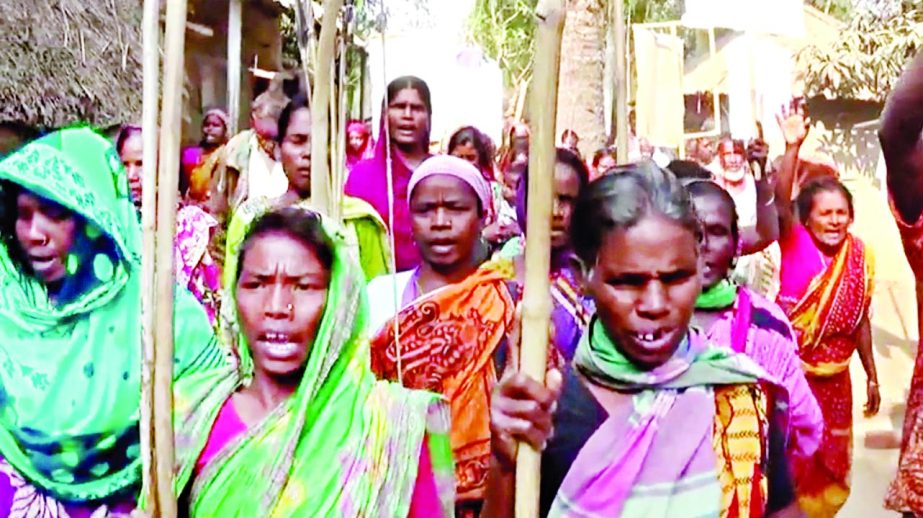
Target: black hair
(564, 157)
(621, 200)
(418, 85)
(125, 133)
(805, 200)
(9, 192)
(301, 224)
(285, 118)
(473, 136)
(705, 188)
(569, 133)
(414, 83)
(689, 170)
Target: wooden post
(620, 97)
(304, 24)
(536, 305)
(168, 181)
(234, 49)
(151, 107)
(320, 104)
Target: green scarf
(719, 296)
(70, 371)
(343, 445)
(695, 363)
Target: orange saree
(826, 319)
(447, 340)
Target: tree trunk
(581, 105)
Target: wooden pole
(339, 134)
(170, 134)
(536, 305)
(151, 106)
(304, 24)
(320, 119)
(620, 99)
(234, 50)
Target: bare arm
(766, 232)
(795, 130)
(864, 338)
(901, 125)
(499, 497)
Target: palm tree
(580, 84)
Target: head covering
(344, 444)
(368, 147)
(452, 166)
(70, 369)
(221, 114)
(357, 126)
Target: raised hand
(793, 123)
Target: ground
(895, 337)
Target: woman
(70, 336)
(365, 229)
(407, 114)
(737, 317)
(302, 428)
(192, 250)
(571, 312)
(359, 143)
(248, 164)
(470, 144)
(453, 315)
(692, 429)
(825, 289)
(200, 162)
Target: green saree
(70, 369)
(343, 445)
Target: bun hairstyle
(621, 200)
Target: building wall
(206, 58)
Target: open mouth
(653, 340)
(42, 263)
(278, 345)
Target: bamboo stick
(151, 96)
(170, 133)
(320, 126)
(340, 135)
(536, 305)
(234, 52)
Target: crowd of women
(369, 366)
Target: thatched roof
(69, 61)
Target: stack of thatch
(64, 62)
